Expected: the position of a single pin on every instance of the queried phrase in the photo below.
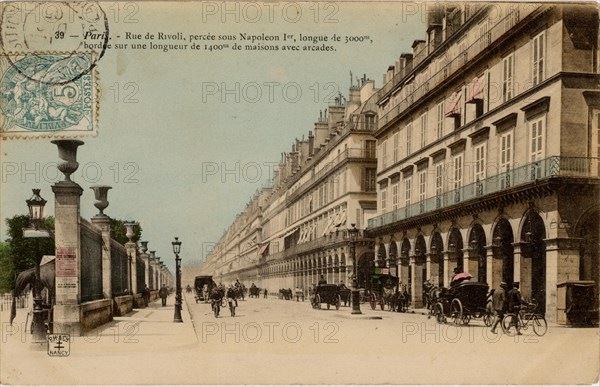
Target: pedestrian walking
(146, 294)
(266, 293)
(499, 305)
(163, 293)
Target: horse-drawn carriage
(385, 290)
(345, 294)
(202, 286)
(326, 293)
(254, 291)
(463, 302)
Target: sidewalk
(141, 330)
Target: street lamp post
(176, 249)
(36, 214)
(353, 233)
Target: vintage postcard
(312, 192)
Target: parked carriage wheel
(338, 303)
(488, 318)
(439, 313)
(318, 301)
(457, 311)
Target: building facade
(488, 150)
(295, 230)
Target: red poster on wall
(66, 262)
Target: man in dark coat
(322, 280)
(163, 293)
(514, 304)
(499, 305)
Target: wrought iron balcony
(553, 166)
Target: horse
(27, 278)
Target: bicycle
(512, 323)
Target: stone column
(145, 258)
(446, 258)
(102, 222)
(416, 285)
(131, 248)
(404, 270)
(517, 267)
(433, 268)
(67, 194)
(562, 264)
(470, 262)
(493, 268)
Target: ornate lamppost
(36, 213)
(176, 249)
(353, 233)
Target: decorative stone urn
(144, 246)
(101, 196)
(130, 233)
(67, 151)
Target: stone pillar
(103, 223)
(470, 263)
(416, 286)
(67, 194)
(404, 270)
(493, 269)
(433, 268)
(446, 258)
(517, 264)
(131, 248)
(145, 258)
(562, 264)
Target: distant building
(488, 150)
(294, 231)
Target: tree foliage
(23, 253)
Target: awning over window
(263, 248)
(475, 89)
(453, 105)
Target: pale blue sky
(172, 132)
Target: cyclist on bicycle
(231, 299)
(215, 299)
(514, 304)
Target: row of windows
(465, 105)
(451, 176)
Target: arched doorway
(366, 264)
(437, 246)
(533, 246)
(477, 252)
(504, 250)
(455, 250)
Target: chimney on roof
(311, 143)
